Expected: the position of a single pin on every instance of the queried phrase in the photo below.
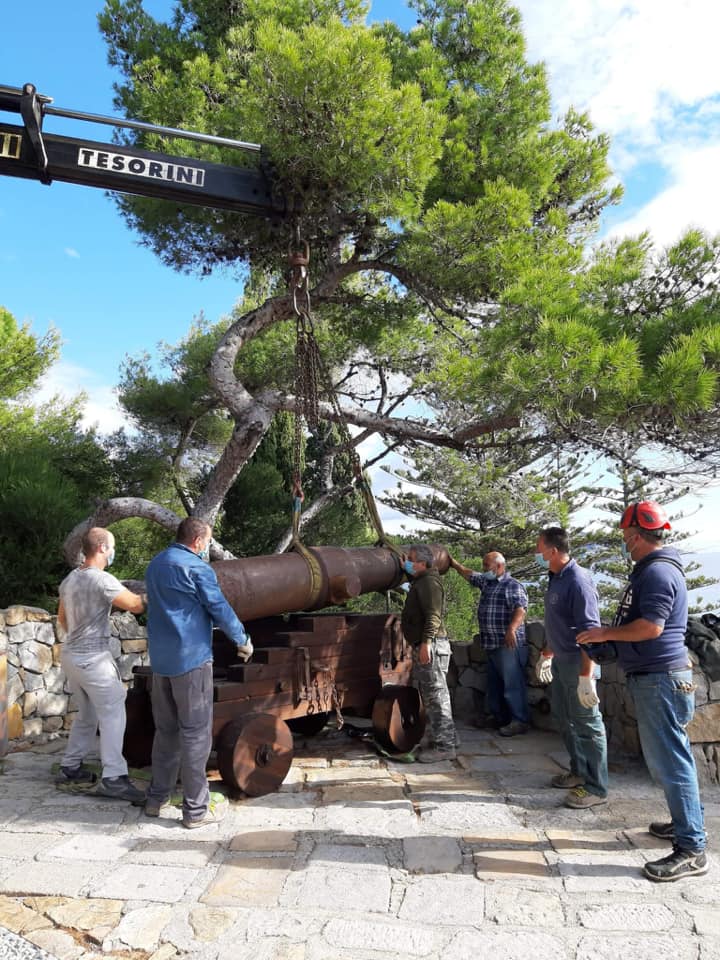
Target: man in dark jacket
(422, 623)
(649, 632)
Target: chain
(336, 700)
(310, 374)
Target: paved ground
(356, 858)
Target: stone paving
(357, 858)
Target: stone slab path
(356, 858)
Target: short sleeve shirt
(87, 595)
(499, 600)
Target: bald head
(95, 539)
(494, 561)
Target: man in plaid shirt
(501, 615)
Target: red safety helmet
(647, 515)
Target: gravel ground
(13, 947)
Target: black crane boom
(30, 153)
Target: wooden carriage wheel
(254, 753)
(398, 718)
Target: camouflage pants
(431, 680)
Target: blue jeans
(506, 694)
(664, 705)
(582, 728)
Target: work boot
(665, 831)
(120, 788)
(513, 729)
(566, 781)
(580, 799)
(78, 774)
(215, 813)
(678, 865)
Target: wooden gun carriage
(305, 665)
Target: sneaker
(120, 788)
(78, 774)
(680, 864)
(436, 755)
(215, 813)
(513, 729)
(665, 831)
(152, 808)
(566, 781)
(579, 799)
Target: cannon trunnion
(305, 667)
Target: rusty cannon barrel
(287, 582)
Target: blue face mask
(409, 567)
(111, 558)
(489, 575)
(541, 561)
(625, 550)
(204, 554)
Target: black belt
(646, 673)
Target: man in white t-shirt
(86, 598)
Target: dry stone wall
(467, 681)
(38, 701)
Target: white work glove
(246, 650)
(543, 669)
(586, 692)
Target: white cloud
(631, 63)
(72, 252)
(689, 201)
(67, 380)
(646, 70)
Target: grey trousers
(94, 681)
(182, 710)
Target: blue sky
(644, 71)
(66, 257)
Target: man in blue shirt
(571, 605)
(501, 616)
(649, 631)
(184, 602)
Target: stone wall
(40, 703)
(467, 683)
(37, 695)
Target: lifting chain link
(311, 374)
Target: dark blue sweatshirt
(657, 592)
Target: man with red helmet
(649, 631)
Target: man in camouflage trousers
(422, 623)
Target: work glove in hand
(246, 651)
(543, 669)
(586, 692)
